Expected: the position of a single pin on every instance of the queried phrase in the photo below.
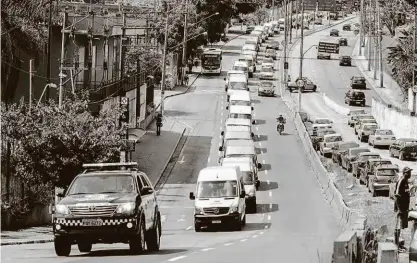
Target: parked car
(354, 116)
(381, 137)
(404, 149)
(350, 156)
(266, 88)
(318, 135)
(359, 161)
(382, 178)
(342, 148)
(274, 45)
(345, 61)
(268, 62)
(343, 41)
(353, 97)
(308, 85)
(365, 130)
(334, 33)
(369, 169)
(271, 53)
(362, 121)
(329, 141)
(358, 83)
(346, 27)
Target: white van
(249, 182)
(237, 128)
(238, 122)
(243, 66)
(248, 160)
(220, 198)
(251, 63)
(235, 136)
(233, 72)
(241, 98)
(241, 152)
(241, 112)
(236, 83)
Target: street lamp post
(184, 46)
(301, 55)
(164, 60)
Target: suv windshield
(102, 183)
(322, 121)
(239, 116)
(217, 189)
(240, 68)
(247, 177)
(240, 102)
(369, 127)
(266, 84)
(364, 158)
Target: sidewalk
(33, 235)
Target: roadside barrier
(335, 106)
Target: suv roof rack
(110, 166)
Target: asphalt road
(334, 81)
(293, 224)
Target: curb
(335, 106)
(25, 242)
(170, 157)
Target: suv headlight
(126, 208)
(62, 210)
(198, 211)
(233, 209)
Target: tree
(246, 8)
(393, 12)
(215, 25)
(401, 59)
(142, 59)
(256, 18)
(22, 30)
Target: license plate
(216, 221)
(92, 222)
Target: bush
(50, 145)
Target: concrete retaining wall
(346, 217)
(334, 106)
(403, 125)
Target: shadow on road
(260, 138)
(256, 101)
(266, 208)
(266, 187)
(261, 150)
(174, 113)
(265, 167)
(256, 226)
(260, 122)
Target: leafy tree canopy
(246, 8)
(256, 18)
(393, 13)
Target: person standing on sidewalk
(158, 123)
(401, 206)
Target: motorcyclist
(281, 119)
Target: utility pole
(30, 84)
(121, 49)
(184, 45)
(379, 36)
(284, 79)
(362, 33)
(61, 69)
(290, 7)
(297, 17)
(123, 102)
(414, 97)
(301, 55)
(273, 10)
(48, 50)
(368, 32)
(164, 60)
(374, 32)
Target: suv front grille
(91, 210)
(216, 210)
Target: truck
(326, 48)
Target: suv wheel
(137, 243)
(153, 240)
(62, 246)
(85, 247)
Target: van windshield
(238, 85)
(217, 189)
(240, 116)
(240, 102)
(240, 68)
(247, 178)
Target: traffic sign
(300, 83)
(328, 47)
(124, 101)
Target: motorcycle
(280, 127)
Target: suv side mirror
(224, 79)
(60, 195)
(222, 133)
(227, 107)
(253, 122)
(146, 190)
(192, 196)
(252, 108)
(221, 148)
(243, 194)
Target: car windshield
(240, 68)
(368, 121)
(238, 85)
(384, 132)
(239, 116)
(247, 177)
(217, 189)
(267, 84)
(333, 139)
(386, 172)
(347, 146)
(240, 102)
(357, 151)
(270, 51)
(102, 183)
(268, 60)
(369, 127)
(364, 158)
(322, 121)
(359, 79)
(267, 69)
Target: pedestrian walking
(190, 66)
(158, 123)
(186, 79)
(401, 206)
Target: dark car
(334, 33)
(272, 45)
(341, 149)
(353, 97)
(404, 148)
(346, 27)
(345, 61)
(359, 162)
(358, 83)
(343, 41)
(108, 203)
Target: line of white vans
(225, 193)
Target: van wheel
(197, 227)
(138, 244)
(244, 221)
(62, 246)
(153, 239)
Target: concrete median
(334, 106)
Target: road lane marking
(266, 227)
(270, 194)
(228, 244)
(269, 217)
(255, 236)
(181, 220)
(260, 144)
(207, 249)
(176, 258)
(257, 128)
(261, 233)
(268, 182)
(188, 228)
(263, 161)
(266, 172)
(221, 114)
(243, 240)
(270, 206)
(163, 218)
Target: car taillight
(378, 138)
